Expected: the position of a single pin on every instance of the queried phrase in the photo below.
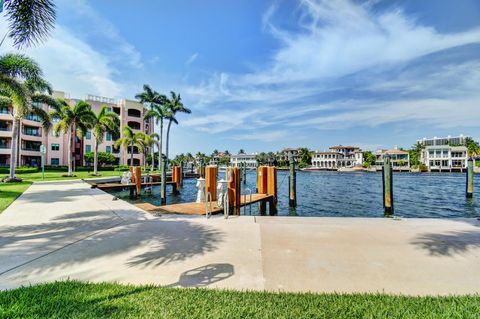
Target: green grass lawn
(10, 191)
(53, 175)
(82, 300)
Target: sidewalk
(65, 229)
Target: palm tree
(157, 111)
(21, 88)
(30, 21)
(131, 139)
(74, 121)
(105, 121)
(150, 141)
(175, 106)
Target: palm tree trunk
(160, 157)
(69, 155)
(14, 147)
(153, 158)
(167, 142)
(95, 157)
(131, 154)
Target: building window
(108, 136)
(89, 135)
(108, 149)
(55, 147)
(88, 148)
(55, 161)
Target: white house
(337, 157)
(239, 159)
(444, 157)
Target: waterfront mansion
(338, 157)
(444, 153)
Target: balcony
(134, 113)
(134, 125)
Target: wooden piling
(234, 190)
(211, 172)
(138, 179)
(244, 173)
(292, 202)
(163, 186)
(262, 187)
(181, 174)
(387, 179)
(272, 189)
(470, 165)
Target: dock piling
(469, 193)
(387, 186)
(163, 186)
(272, 189)
(292, 184)
(262, 187)
(244, 172)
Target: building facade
(445, 157)
(338, 157)
(240, 159)
(287, 153)
(441, 141)
(32, 135)
(400, 159)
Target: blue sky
(264, 75)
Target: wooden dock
(199, 208)
(120, 186)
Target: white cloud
(339, 39)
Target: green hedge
(19, 170)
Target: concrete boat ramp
(60, 230)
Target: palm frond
(30, 21)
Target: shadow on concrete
(449, 243)
(94, 234)
(204, 276)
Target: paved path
(65, 229)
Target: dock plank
(194, 208)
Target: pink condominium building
(32, 135)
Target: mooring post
(387, 185)
(262, 187)
(292, 183)
(244, 172)
(163, 187)
(470, 178)
(181, 174)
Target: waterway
(354, 194)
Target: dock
(194, 208)
(105, 186)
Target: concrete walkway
(60, 230)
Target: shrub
(104, 158)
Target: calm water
(356, 194)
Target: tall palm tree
(21, 88)
(150, 141)
(105, 121)
(175, 106)
(30, 21)
(130, 140)
(73, 121)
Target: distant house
(400, 159)
(338, 157)
(444, 153)
(217, 157)
(444, 157)
(286, 153)
(248, 159)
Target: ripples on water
(356, 194)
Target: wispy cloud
(347, 65)
(191, 59)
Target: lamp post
(43, 150)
